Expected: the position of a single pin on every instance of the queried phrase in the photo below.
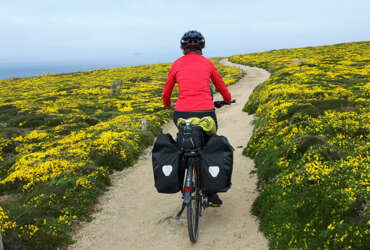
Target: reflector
(214, 170)
(167, 169)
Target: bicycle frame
(193, 167)
(191, 162)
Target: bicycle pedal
(214, 205)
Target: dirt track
(132, 215)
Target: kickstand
(180, 213)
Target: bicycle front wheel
(193, 210)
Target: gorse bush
(311, 146)
(60, 138)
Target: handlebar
(219, 104)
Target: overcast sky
(114, 32)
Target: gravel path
(132, 215)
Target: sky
(79, 34)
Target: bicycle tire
(193, 211)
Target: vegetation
(311, 146)
(60, 138)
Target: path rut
(132, 215)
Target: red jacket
(193, 73)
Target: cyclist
(193, 72)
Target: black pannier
(190, 137)
(168, 174)
(217, 164)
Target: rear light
(187, 189)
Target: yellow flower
(83, 182)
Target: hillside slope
(311, 146)
(60, 138)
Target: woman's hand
(172, 106)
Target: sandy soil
(132, 215)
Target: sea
(29, 70)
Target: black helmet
(192, 40)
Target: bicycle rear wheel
(193, 209)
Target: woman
(193, 73)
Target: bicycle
(194, 199)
